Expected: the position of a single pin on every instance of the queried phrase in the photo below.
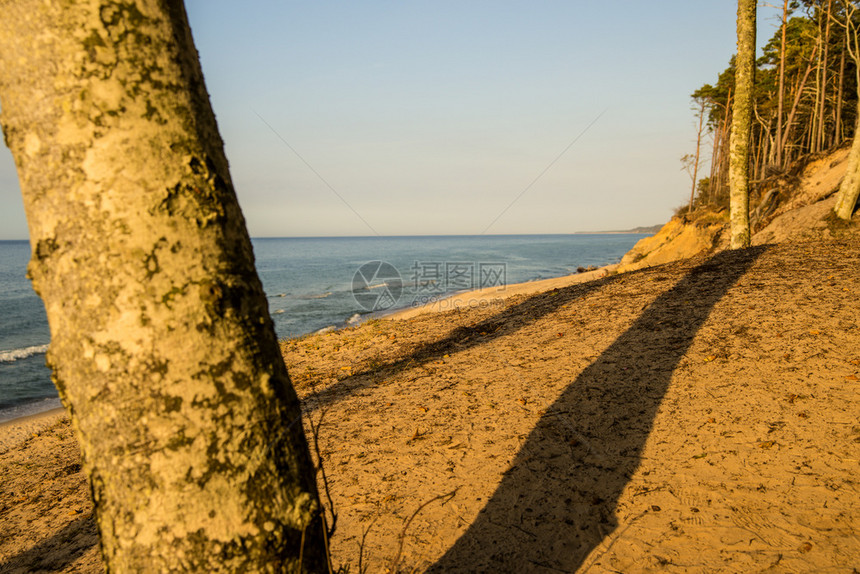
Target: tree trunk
(849, 189)
(781, 94)
(840, 91)
(819, 139)
(813, 118)
(739, 156)
(755, 148)
(715, 152)
(162, 347)
(764, 150)
(722, 168)
(698, 148)
(759, 144)
(798, 95)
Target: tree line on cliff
(804, 99)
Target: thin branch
(315, 434)
(361, 568)
(393, 568)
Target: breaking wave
(23, 353)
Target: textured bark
(161, 344)
(739, 155)
(849, 189)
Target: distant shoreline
(640, 230)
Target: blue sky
(442, 117)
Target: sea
(315, 284)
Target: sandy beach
(481, 298)
(700, 416)
(14, 432)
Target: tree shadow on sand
(556, 502)
(502, 324)
(58, 551)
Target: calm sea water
(313, 284)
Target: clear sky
(453, 117)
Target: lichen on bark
(162, 347)
(739, 141)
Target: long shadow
(556, 502)
(59, 551)
(508, 321)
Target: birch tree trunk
(162, 347)
(739, 155)
(849, 189)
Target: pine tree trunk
(813, 118)
(698, 149)
(819, 139)
(755, 148)
(162, 347)
(781, 89)
(764, 151)
(840, 91)
(722, 168)
(715, 153)
(739, 156)
(798, 95)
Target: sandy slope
(785, 208)
(702, 416)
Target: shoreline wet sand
(15, 431)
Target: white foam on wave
(319, 295)
(18, 354)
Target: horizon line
(605, 232)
